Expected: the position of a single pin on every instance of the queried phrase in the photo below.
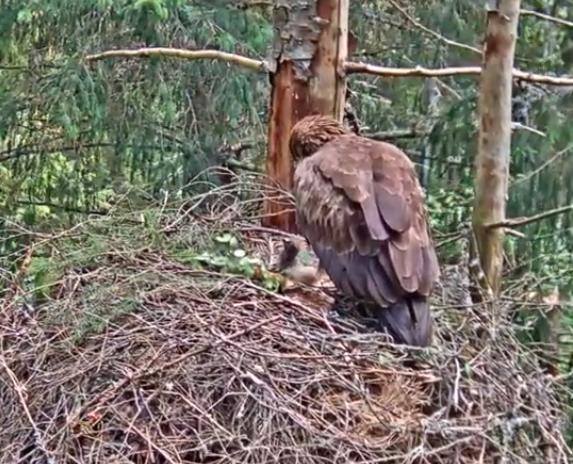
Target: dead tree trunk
(492, 163)
(309, 51)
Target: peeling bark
(308, 54)
(494, 145)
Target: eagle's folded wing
(362, 209)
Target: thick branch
(161, 52)
(523, 221)
(552, 19)
(419, 71)
(542, 78)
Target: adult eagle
(361, 207)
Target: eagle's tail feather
(408, 321)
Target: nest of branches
(144, 347)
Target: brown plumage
(361, 207)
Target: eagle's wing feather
(362, 209)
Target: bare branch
(419, 71)
(542, 78)
(431, 32)
(162, 52)
(448, 89)
(533, 130)
(536, 171)
(522, 221)
(398, 134)
(552, 19)
(349, 67)
(515, 233)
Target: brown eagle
(361, 207)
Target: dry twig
(431, 32)
(553, 19)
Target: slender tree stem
(494, 139)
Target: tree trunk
(309, 51)
(492, 164)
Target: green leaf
(219, 261)
(24, 16)
(239, 253)
(225, 238)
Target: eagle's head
(311, 133)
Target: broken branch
(552, 19)
(533, 130)
(522, 221)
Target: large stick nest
(135, 352)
